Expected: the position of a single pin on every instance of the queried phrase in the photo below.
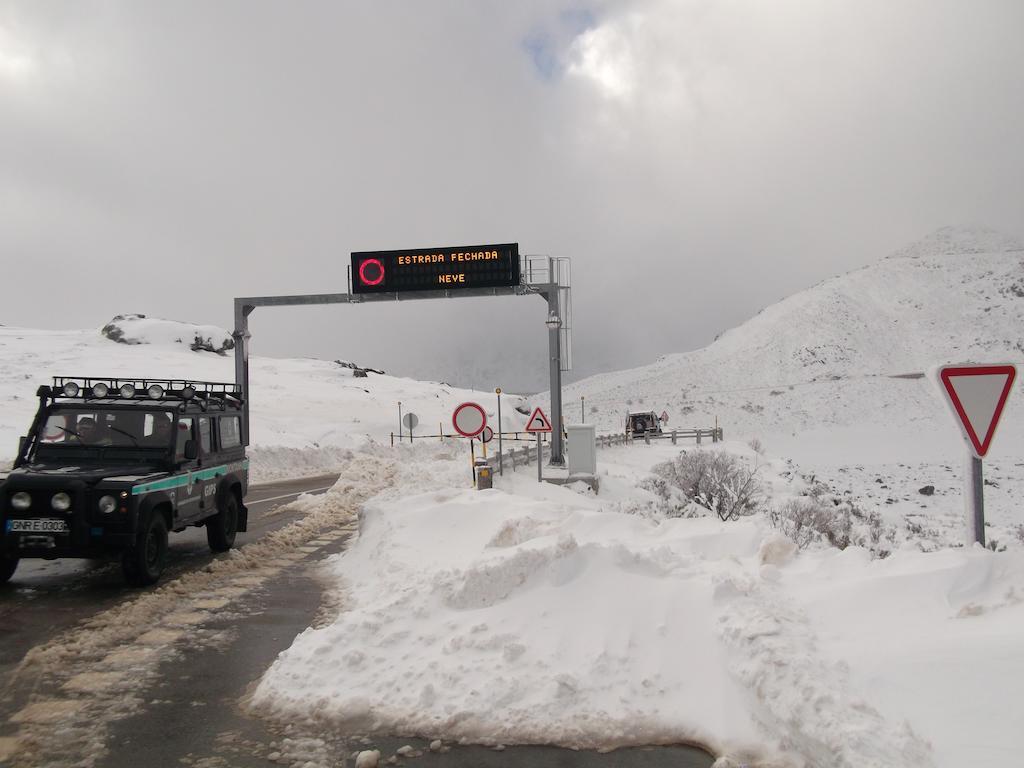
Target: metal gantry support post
(241, 336)
(555, 361)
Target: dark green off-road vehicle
(110, 465)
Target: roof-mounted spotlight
(70, 389)
(99, 389)
(155, 391)
(127, 391)
(188, 392)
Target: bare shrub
(838, 523)
(712, 480)
(807, 521)
(756, 446)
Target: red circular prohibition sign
(471, 424)
(371, 280)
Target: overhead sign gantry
(440, 273)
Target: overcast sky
(696, 160)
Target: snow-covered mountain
(838, 354)
(298, 405)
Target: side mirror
(191, 450)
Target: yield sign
(977, 394)
(538, 422)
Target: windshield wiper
(71, 432)
(126, 434)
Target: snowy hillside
(829, 355)
(831, 381)
(298, 405)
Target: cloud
(696, 160)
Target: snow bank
(935, 638)
(502, 618)
(535, 614)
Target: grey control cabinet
(582, 449)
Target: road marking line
(288, 495)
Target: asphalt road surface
(188, 711)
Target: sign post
(410, 420)
(976, 395)
(501, 454)
(469, 420)
(485, 437)
(539, 424)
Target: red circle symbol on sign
(371, 272)
(469, 419)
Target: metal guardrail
(675, 435)
(527, 455)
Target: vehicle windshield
(99, 427)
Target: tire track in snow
(98, 671)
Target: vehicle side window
(204, 434)
(185, 433)
(230, 435)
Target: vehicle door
(206, 483)
(188, 494)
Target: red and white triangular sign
(977, 395)
(538, 422)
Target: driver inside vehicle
(88, 431)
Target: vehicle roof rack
(126, 389)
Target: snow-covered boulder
(368, 758)
(358, 371)
(139, 329)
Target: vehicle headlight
(107, 504)
(155, 391)
(99, 389)
(70, 389)
(61, 502)
(127, 391)
(21, 501)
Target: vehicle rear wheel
(222, 527)
(8, 565)
(144, 562)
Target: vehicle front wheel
(222, 527)
(144, 562)
(8, 565)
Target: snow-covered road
(90, 664)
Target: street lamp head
(553, 321)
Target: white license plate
(38, 526)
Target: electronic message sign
(433, 269)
